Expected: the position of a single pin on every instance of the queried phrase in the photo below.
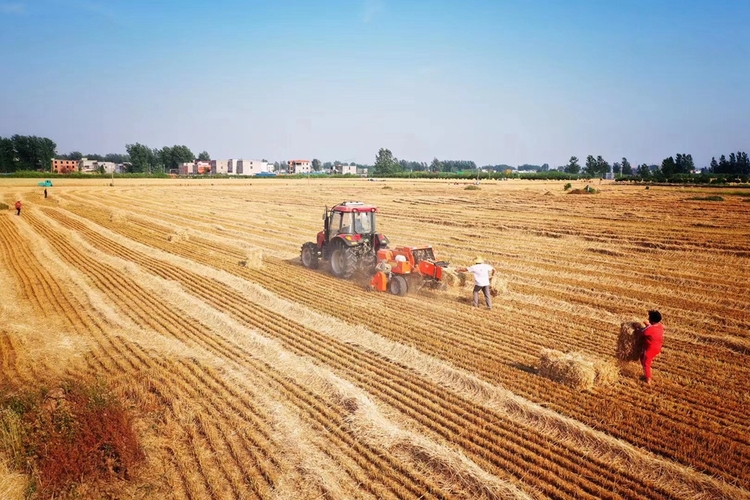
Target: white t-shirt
(481, 274)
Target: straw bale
(576, 370)
(253, 258)
(606, 372)
(450, 276)
(629, 342)
(3, 206)
(498, 285)
(181, 235)
(117, 216)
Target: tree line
(26, 152)
(20, 152)
(387, 164)
(144, 159)
(110, 157)
(681, 164)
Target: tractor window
(346, 223)
(335, 224)
(363, 223)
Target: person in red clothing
(18, 207)
(653, 337)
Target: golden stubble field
(277, 382)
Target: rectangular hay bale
(576, 370)
(629, 342)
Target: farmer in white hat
(482, 275)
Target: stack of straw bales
(630, 342)
(575, 370)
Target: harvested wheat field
(248, 376)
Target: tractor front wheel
(343, 262)
(398, 286)
(309, 255)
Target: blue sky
(505, 81)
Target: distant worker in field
(653, 337)
(482, 275)
(18, 207)
(45, 192)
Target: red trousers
(646, 359)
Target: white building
(348, 169)
(299, 166)
(220, 166)
(187, 168)
(90, 166)
(252, 167)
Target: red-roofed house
(299, 166)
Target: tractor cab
(351, 221)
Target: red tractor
(349, 241)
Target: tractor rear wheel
(309, 255)
(343, 262)
(398, 286)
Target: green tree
(684, 163)
(714, 165)
(643, 171)
(141, 157)
(168, 158)
(316, 165)
(204, 156)
(616, 168)
(385, 163)
(743, 163)
(7, 155)
(668, 167)
(723, 165)
(573, 167)
(602, 167)
(590, 170)
(627, 169)
(32, 152)
(436, 166)
(116, 157)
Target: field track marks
(480, 355)
(50, 300)
(186, 285)
(157, 317)
(123, 346)
(273, 240)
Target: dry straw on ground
(629, 342)
(575, 370)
